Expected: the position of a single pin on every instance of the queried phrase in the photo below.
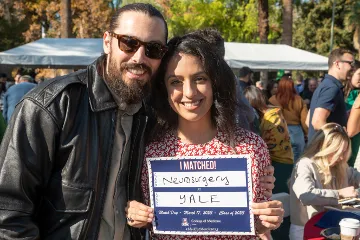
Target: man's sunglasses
(352, 63)
(130, 44)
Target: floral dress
(245, 143)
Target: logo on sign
(185, 222)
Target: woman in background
(295, 111)
(352, 86)
(321, 177)
(353, 126)
(271, 89)
(274, 131)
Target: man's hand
(270, 213)
(267, 181)
(138, 215)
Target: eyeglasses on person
(131, 44)
(352, 63)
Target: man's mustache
(127, 66)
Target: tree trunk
(263, 30)
(356, 39)
(65, 15)
(263, 20)
(287, 22)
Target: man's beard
(132, 92)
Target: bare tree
(66, 21)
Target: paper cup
(349, 229)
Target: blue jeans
(297, 140)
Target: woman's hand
(138, 215)
(270, 213)
(267, 181)
(348, 192)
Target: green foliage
(236, 20)
(312, 27)
(11, 33)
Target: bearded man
(70, 158)
(72, 155)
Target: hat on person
(279, 74)
(244, 71)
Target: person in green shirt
(352, 86)
(351, 92)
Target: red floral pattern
(245, 143)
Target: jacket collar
(99, 94)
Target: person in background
(13, 96)
(260, 85)
(309, 91)
(352, 86)
(2, 127)
(271, 89)
(2, 94)
(351, 90)
(321, 177)
(320, 78)
(299, 83)
(245, 77)
(327, 103)
(195, 107)
(3, 77)
(274, 131)
(295, 111)
(19, 72)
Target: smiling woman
(194, 102)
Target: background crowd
(311, 128)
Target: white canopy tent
(54, 53)
(77, 52)
(272, 57)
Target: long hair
(286, 92)
(222, 83)
(348, 85)
(256, 99)
(269, 88)
(327, 150)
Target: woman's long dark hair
(222, 82)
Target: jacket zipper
(102, 199)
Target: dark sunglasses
(352, 63)
(338, 128)
(130, 44)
